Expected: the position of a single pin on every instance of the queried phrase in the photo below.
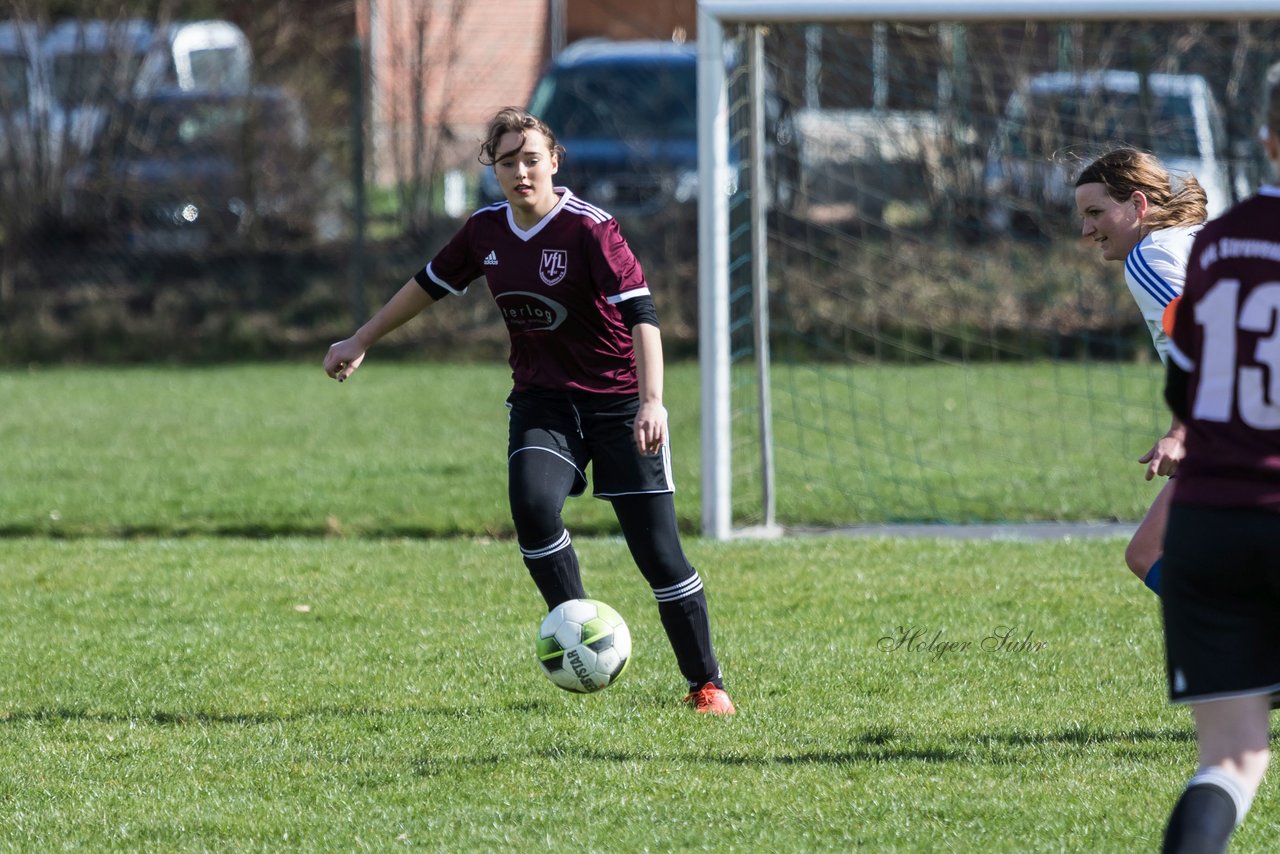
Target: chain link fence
(179, 184)
(176, 191)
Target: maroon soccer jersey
(558, 286)
(1227, 338)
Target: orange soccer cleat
(710, 700)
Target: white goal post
(719, 180)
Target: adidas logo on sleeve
(491, 260)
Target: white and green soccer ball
(583, 645)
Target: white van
(200, 56)
(92, 64)
(1053, 125)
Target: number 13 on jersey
(1254, 389)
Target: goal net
(899, 320)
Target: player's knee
(1139, 557)
(536, 520)
(664, 565)
(1252, 767)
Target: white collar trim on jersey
(1269, 190)
(565, 195)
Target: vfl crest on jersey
(555, 262)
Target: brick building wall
(628, 19)
(438, 69)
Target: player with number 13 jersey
(1221, 605)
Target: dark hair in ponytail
(1124, 171)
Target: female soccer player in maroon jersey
(587, 370)
(1131, 210)
(1222, 552)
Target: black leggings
(539, 484)
(540, 481)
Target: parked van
(91, 64)
(203, 56)
(1057, 122)
(181, 171)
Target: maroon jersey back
(557, 286)
(1227, 338)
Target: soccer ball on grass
(583, 645)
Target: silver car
(1057, 122)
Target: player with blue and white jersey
(1133, 212)
(587, 381)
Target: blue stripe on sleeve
(1150, 280)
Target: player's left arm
(614, 264)
(1162, 273)
(1164, 457)
(651, 420)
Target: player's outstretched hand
(1164, 456)
(343, 358)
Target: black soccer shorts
(1220, 591)
(589, 429)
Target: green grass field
(420, 448)
(231, 621)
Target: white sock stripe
(1227, 782)
(688, 587)
(559, 544)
